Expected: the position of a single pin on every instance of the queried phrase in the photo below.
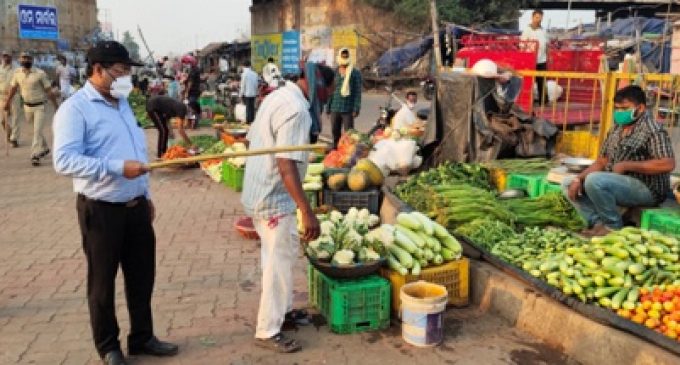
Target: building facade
(324, 27)
(77, 19)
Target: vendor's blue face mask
(624, 117)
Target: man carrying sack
(345, 103)
(272, 191)
(98, 142)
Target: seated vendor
(633, 169)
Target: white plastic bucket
(422, 311)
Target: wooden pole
(435, 34)
(320, 147)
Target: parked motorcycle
(429, 87)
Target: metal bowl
(577, 164)
(512, 194)
(237, 132)
(347, 271)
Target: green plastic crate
(664, 220)
(351, 305)
(232, 176)
(207, 101)
(530, 183)
(549, 187)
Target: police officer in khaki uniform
(11, 122)
(35, 88)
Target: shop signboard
(38, 22)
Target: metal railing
(585, 108)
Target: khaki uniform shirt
(6, 73)
(33, 85)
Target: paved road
(207, 285)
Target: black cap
(110, 52)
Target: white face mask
(122, 87)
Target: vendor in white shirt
(535, 32)
(271, 74)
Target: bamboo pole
(320, 147)
(435, 33)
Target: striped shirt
(282, 120)
(647, 141)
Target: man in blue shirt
(98, 142)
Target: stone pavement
(207, 285)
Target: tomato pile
(657, 309)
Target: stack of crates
(350, 305)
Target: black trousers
(113, 236)
(250, 108)
(338, 122)
(195, 107)
(540, 82)
(161, 122)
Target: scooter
(387, 112)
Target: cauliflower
(351, 239)
(373, 220)
(368, 254)
(352, 213)
(327, 228)
(343, 257)
(336, 217)
(323, 255)
(363, 215)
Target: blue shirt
(92, 139)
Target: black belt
(128, 204)
(34, 104)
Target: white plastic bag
(240, 112)
(404, 118)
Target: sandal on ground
(35, 161)
(279, 343)
(299, 317)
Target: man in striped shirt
(272, 191)
(633, 169)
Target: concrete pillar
(675, 46)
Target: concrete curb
(582, 339)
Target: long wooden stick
(264, 151)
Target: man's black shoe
(35, 161)
(44, 153)
(155, 347)
(14, 144)
(114, 358)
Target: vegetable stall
(629, 279)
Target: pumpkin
(357, 180)
(374, 174)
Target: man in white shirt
(535, 32)
(248, 91)
(271, 74)
(272, 191)
(64, 73)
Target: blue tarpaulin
(651, 51)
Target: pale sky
(177, 26)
